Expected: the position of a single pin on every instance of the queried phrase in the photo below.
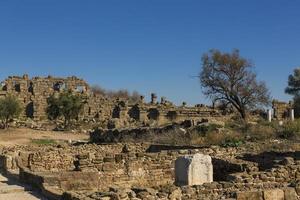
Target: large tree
(294, 83)
(66, 105)
(294, 89)
(229, 78)
(9, 108)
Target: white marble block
(269, 115)
(292, 114)
(193, 170)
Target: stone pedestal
(193, 170)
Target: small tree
(9, 109)
(294, 89)
(229, 78)
(66, 105)
(294, 83)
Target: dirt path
(23, 136)
(12, 190)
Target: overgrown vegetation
(290, 130)
(293, 89)
(232, 134)
(66, 105)
(203, 135)
(9, 108)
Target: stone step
(11, 189)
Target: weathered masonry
(114, 113)
(33, 93)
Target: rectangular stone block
(193, 170)
(275, 194)
(256, 195)
(290, 194)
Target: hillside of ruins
(120, 148)
(149, 100)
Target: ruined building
(282, 110)
(33, 94)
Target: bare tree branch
(229, 78)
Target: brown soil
(23, 136)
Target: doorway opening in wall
(29, 110)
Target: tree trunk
(243, 114)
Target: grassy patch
(43, 141)
(290, 130)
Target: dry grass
(260, 132)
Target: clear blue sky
(148, 45)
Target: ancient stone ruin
(282, 110)
(113, 113)
(120, 162)
(138, 171)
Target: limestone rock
(256, 195)
(290, 194)
(193, 170)
(275, 194)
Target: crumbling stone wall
(114, 113)
(132, 169)
(281, 110)
(33, 93)
(211, 191)
(60, 157)
(122, 165)
(238, 172)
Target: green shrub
(289, 130)
(236, 125)
(233, 140)
(259, 132)
(66, 105)
(9, 108)
(203, 130)
(228, 139)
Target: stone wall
(130, 169)
(123, 165)
(213, 191)
(56, 157)
(115, 164)
(111, 112)
(282, 110)
(33, 93)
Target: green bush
(233, 140)
(289, 130)
(259, 132)
(9, 109)
(236, 125)
(203, 130)
(66, 105)
(225, 139)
